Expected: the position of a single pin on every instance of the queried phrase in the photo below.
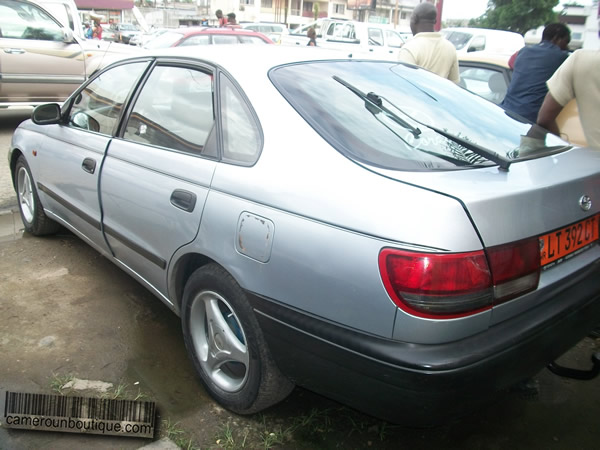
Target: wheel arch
(182, 270)
(14, 156)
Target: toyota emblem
(585, 202)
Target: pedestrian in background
(533, 66)
(231, 22)
(577, 78)
(312, 37)
(428, 49)
(97, 30)
(222, 20)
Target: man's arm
(548, 113)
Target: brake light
(450, 285)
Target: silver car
(362, 228)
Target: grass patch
(174, 432)
(58, 381)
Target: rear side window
(393, 39)
(242, 137)
(174, 110)
(375, 36)
(486, 82)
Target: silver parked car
(362, 228)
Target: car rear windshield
(400, 117)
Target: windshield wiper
(374, 105)
(373, 100)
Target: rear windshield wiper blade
(376, 100)
(503, 162)
(374, 104)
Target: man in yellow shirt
(428, 49)
(579, 78)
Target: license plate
(559, 244)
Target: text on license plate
(563, 242)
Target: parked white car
(468, 40)
(361, 39)
(273, 30)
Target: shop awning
(104, 4)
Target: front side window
(399, 117)
(99, 105)
(242, 138)
(174, 110)
(199, 39)
(20, 20)
(375, 36)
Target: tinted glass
(174, 110)
(242, 139)
(99, 105)
(394, 128)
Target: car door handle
(14, 51)
(183, 200)
(89, 165)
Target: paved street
(67, 313)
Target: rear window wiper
(374, 104)
(373, 100)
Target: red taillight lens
(515, 268)
(449, 285)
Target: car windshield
(128, 27)
(399, 117)
(164, 40)
(458, 38)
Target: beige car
(488, 75)
(41, 60)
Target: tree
(517, 15)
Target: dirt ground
(66, 312)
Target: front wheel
(33, 217)
(226, 345)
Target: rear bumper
(423, 385)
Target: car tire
(226, 344)
(33, 217)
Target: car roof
(263, 57)
(498, 59)
(189, 31)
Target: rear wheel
(32, 213)
(226, 344)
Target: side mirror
(46, 114)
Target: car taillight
(449, 285)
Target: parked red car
(179, 37)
